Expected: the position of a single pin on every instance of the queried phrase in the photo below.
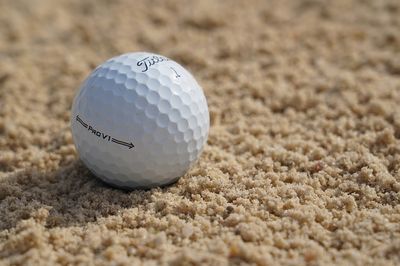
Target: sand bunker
(302, 162)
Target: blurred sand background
(303, 158)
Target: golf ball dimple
(140, 120)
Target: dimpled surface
(139, 121)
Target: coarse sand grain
(302, 162)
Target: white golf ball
(139, 120)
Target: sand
(303, 157)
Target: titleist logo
(147, 62)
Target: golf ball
(139, 120)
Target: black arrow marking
(104, 136)
(120, 142)
(176, 73)
(80, 121)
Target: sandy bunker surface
(302, 162)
